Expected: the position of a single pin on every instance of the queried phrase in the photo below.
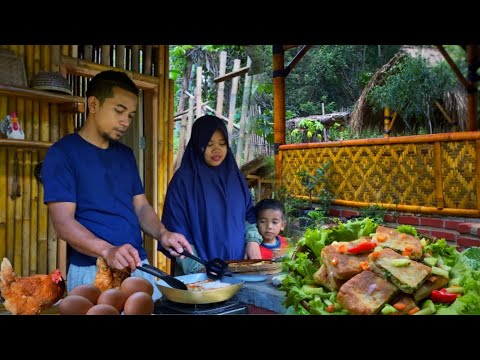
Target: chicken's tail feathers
(6, 272)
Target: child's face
(270, 224)
(216, 149)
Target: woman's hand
(252, 250)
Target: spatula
(215, 268)
(169, 279)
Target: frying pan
(203, 296)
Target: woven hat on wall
(51, 81)
(12, 69)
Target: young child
(271, 220)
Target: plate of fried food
(255, 267)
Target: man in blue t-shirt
(93, 190)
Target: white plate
(249, 278)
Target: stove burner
(227, 307)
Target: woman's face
(216, 149)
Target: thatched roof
(454, 103)
(362, 110)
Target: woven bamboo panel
(391, 174)
(458, 174)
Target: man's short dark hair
(101, 85)
(269, 204)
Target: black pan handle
(169, 279)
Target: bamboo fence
(431, 174)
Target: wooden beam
(454, 66)
(39, 94)
(89, 69)
(297, 58)
(232, 74)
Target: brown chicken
(31, 294)
(107, 277)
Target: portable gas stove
(227, 307)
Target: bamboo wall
(436, 174)
(26, 235)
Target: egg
(135, 284)
(89, 291)
(74, 305)
(113, 297)
(139, 303)
(102, 309)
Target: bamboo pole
(54, 123)
(407, 208)
(105, 55)
(42, 208)
(65, 50)
(170, 124)
(36, 58)
(10, 207)
(56, 53)
(221, 85)
(74, 51)
(189, 121)
(26, 214)
(33, 217)
(36, 121)
(233, 101)
(147, 59)
(53, 254)
(136, 58)
(245, 101)
(18, 255)
(27, 119)
(412, 139)
(278, 107)
(386, 122)
(3, 202)
(438, 174)
(4, 187)
(45, 58)
(198, 92)
(30, 62)
(87, 52)
(120, 56)
(62, 128)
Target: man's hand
(252, 250)
(120, 257)
(174, 243)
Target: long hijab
(209, 205)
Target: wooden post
(190, 119)
(245, 101)
(233, 100)
(473, 59)
(221, 85)
(278, 107)
(87, 52)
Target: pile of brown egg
(134, 297)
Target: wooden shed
(47, 113)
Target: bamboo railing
(431, 174)
(27, 237)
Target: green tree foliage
(332, 74)
(410, 88)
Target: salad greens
(303, 293)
